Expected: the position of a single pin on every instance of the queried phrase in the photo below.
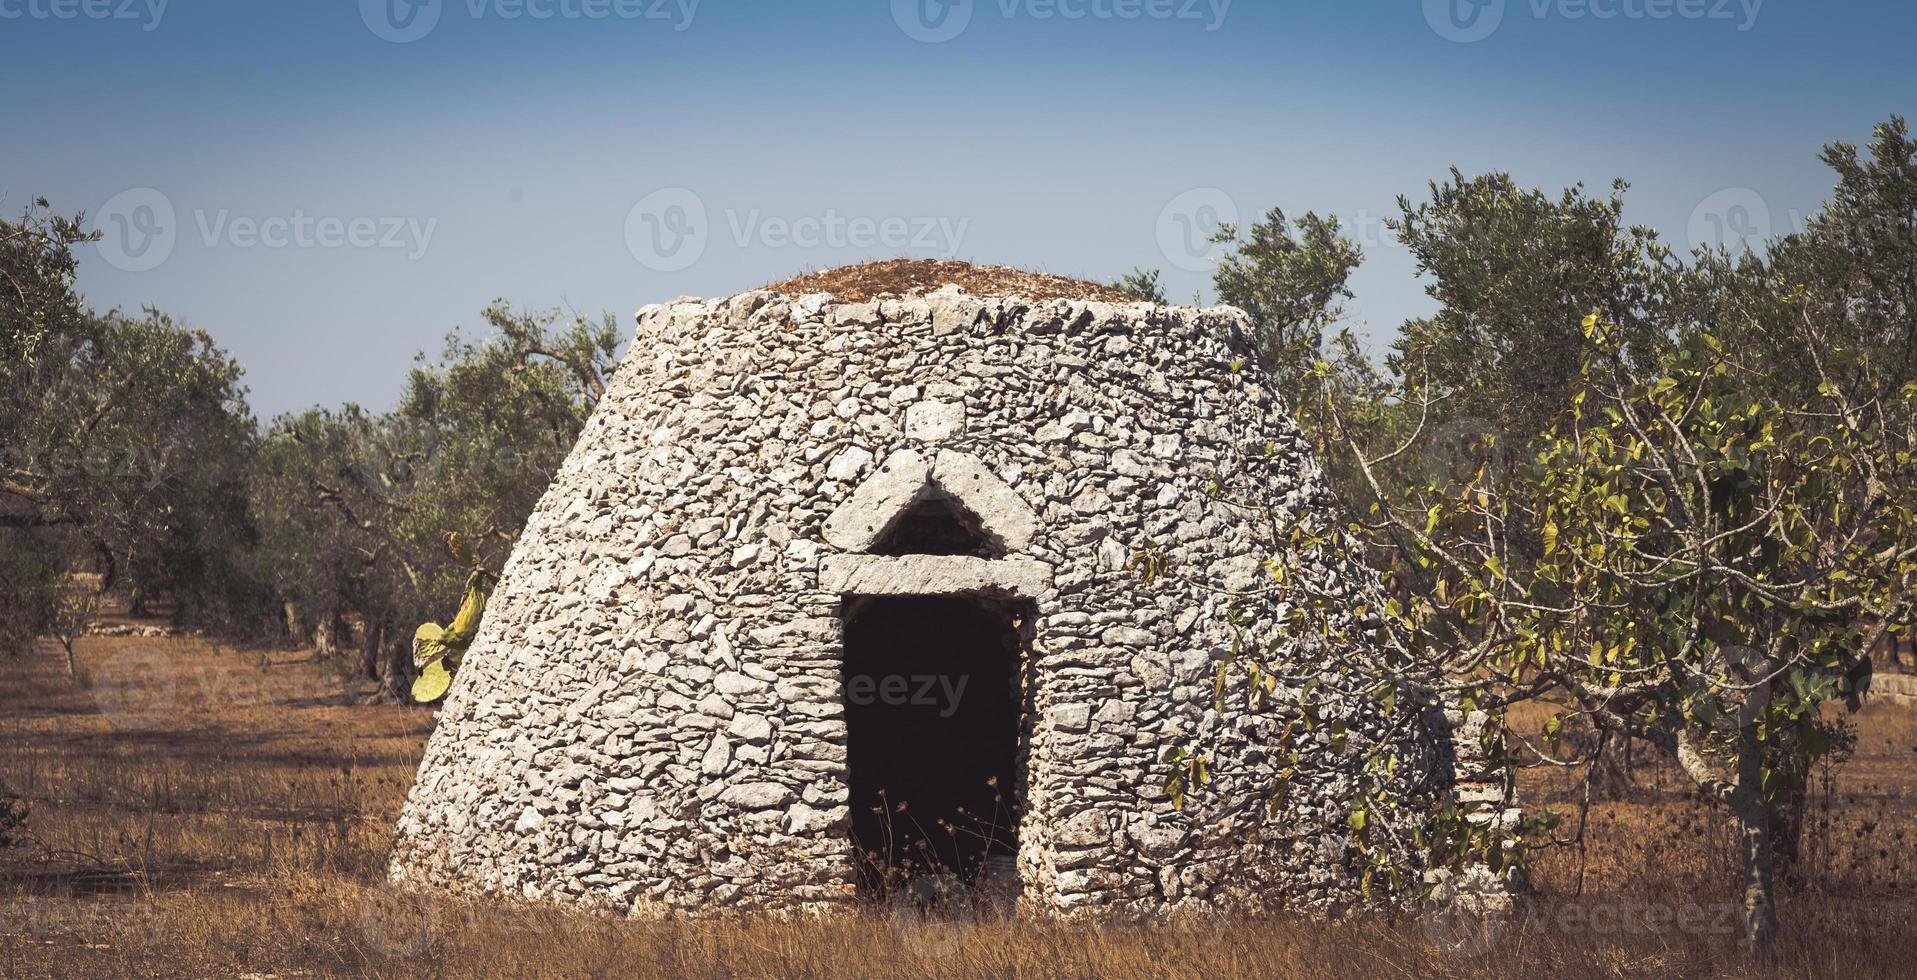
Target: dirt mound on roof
(916, 277)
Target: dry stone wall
(652, 717)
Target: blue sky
(328, 188)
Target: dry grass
(916, 277)
(201, 812)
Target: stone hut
(836, 594)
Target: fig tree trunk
(1753, 813)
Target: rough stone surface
(930, 421)
(652, 717)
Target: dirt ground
(200, 811)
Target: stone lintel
(1011, 578)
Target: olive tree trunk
(369, 659)
(397, 684)
(388, 662)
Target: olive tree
(1291, 278)
(356, 506)
(1513, 269)
(123, 443)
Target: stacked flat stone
(651, 719)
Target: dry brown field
(207, 812)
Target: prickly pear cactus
(438, 650)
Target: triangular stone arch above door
(907, 476)
(904, 480)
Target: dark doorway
(933, 718)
